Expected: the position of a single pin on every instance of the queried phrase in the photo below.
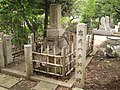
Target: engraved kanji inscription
(79, 64)
(79, 71)
(78, 80)
(80, 33)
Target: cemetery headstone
(107, 22)
(103, 24)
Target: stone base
(102, 32)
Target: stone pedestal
(28, 60)
(7, 49)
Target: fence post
(2, 63)
(64, 58)
(28, 60)
(80, 54)
(7, 49)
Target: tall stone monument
(55, 16)
(80, 54)
(54, 29)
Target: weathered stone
(55, 16)
(31, 41)
(77, 89)
(7, 49)
(2, 62)
(118, 26)
(7, 81)
(105, 32)
(1, 88)
(52, 33)
(1, 35)
(28, 60)
(111, 22)
(45, 86)
(107, 22)
(80, 54)
(102, 25)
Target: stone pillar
(107, 20)
(102, 24)
(1, 35)
(80, 54)
(2, 63)
(118, 26)
(31, 41)
(28, 60)
(55, 16)
(111, 22)
(7, 49)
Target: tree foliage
(18, 17)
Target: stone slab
(1, 88)
(102, 32)
(77, 89)
(7, 81)
(38, 78)
(45, 86)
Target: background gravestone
(102, 25)
(107, 22)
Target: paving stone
(77, 89)
(1, 88)
(7, 81)
(45, 86)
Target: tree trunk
(46, 17)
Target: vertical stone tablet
(80, 54)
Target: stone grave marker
(103, 24)
(80, 54)
(107, 22)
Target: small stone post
(7, 49)
(28, 60)
(2, 63)
(80, 54)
